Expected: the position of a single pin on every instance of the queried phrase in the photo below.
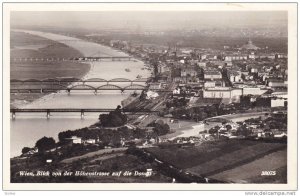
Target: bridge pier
(13, 115)
(69, 91)
(41, 91)
(95, 92)
(48, 114)
(82, 114)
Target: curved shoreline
(50, 47)
(86, 44)
(40, 126)
(192, 131)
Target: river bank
(38, 125)
(24, 45)
(193, 129)
(105, 69)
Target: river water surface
(26, 129)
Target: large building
(202, 64)
(253, 91)
(188, 72)
(212, 74)
(214, 83)
(226, 93)
(277, 83)
(278, 102)
(234, 76)
(231, 94)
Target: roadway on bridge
(93, 84)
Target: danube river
(26, 129)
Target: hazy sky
(152, 20)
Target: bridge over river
(85, 87)
(92, 84)
(82, 111)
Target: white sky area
(152, 20)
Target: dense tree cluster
(198, 113)
(113, 119)
(105, 136)
(159, 127)
(25, 150)
(243, 130)
(181, 102)
(45, 143)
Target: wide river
(26, 129)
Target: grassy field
(113, 162)
(233, 160)
(198, 155)
(94, 154)
(281, 177)
(251, 172)
(237, 161)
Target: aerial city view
(143, 97)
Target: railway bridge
(92, 84)
(53, 81)
(85, 87)
(82, 111)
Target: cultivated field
(107, 161)
(251, 172)
(233, 160)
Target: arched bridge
(81, 87)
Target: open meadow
(231, 161)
